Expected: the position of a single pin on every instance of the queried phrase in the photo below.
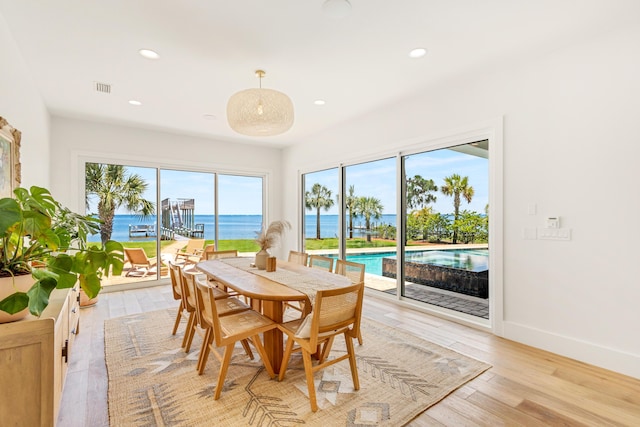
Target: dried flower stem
(270, 237)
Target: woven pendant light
(260, 112)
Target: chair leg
(326, 349)
(352, 361)
(224, 366)
(177, 322)
(285, 358)
(247, 349)
(360, 337)
(204, 351)
(308, 370)
(263, 355)
(190, 332)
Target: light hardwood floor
(525, 386)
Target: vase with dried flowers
(269, 238)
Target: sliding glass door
(446, 257)
(321, 206)
(435, 250)
(370, 218)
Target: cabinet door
(27, 372)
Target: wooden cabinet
(34, 355)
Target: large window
(161, 211)
(239, 212)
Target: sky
(243, 195)
(378, 179)
(239, 195)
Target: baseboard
(593, 354)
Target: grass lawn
(332, 243)
(249, 245)
(242, 245)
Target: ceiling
(210, 49)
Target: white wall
(22, 106)
(571, 146)
(75, 141)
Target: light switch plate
(554, 233)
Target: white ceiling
(210, 49)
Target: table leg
(273, 339)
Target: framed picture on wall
(9, 158)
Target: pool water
(465, 259)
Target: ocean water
(236, 226)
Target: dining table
(270, 290)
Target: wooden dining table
(270, 290)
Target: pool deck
(454, 301)
(451, 300)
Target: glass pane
(370, 218)
(123, 197)
(186, 214)
(240, 212)
(320, 231)
(446, 253)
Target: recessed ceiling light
(418, 53)
(134, 102)
(319, 102)
(209, 117)
(149, 54)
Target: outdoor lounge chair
(139, 261)
(191, 253)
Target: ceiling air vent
(102, 87)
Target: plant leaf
(90, 284)
(14, 303)
(10, 214)
(39, 295)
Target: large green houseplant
(41, 238)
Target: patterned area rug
(153, 382)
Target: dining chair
(355, 272)
(174, 274)
(187, 278)
(225, 307)
(320, 261)
(225, 331)
(137, 257)
(335, 312)
(213, 254)
(298, 257)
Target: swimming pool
(465, 259)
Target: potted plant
(43, 244)
(267, 239)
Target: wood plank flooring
(525, 386)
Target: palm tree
(419, 192)
(369, 207)
(457, 186)
(351, 202)
(114, 188)
(318, 198)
